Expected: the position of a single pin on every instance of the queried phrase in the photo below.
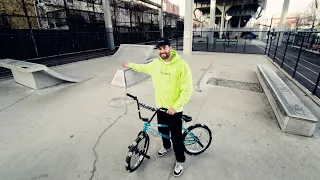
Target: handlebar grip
(133, 97)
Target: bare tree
(312, 13)
(299, 19)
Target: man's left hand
(171, 111)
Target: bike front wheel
(137, 152)
(197, 139)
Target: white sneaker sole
(178, 174)
(164, 153)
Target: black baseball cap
(163, 41)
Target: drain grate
(255, 87)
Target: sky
(273, 6)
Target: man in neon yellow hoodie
(172, 82)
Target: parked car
(246, 35)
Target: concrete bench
(35, 76)
(292, 115)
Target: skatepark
(82, 130)
(65, 115)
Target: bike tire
(134, 149)
(192, 129)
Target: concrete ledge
(292, 115)
(305, 90)
(35, 76)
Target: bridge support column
(212, 20)
(223, 10)
(283, 18)
(187, 34)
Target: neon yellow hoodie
(172, 81)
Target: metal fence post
(265, 51)
(245, 44)
(57, 48)
(207, 42)
(177, 45)
(285, 51)
(317, 84)
(85, 47)
(192, 40)
(225, 41)
(275, 53)
(295, 68)
(270, 42)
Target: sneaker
(178, 169)
(162, 151)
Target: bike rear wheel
(197, 139)
(137, 152)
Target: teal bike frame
(147, 124)
(187, 141)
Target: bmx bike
(197, 138)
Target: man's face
(164, 51)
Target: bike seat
(186, 118)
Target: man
(172, 82)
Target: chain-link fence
(27, 24)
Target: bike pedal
(146, 156)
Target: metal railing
(298, 54)
(248, 42)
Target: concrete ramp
(35, 76)
(133, 53)
(127, 77)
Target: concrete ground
(82, 131)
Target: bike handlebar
(133, 97)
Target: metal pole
(225, 42)
(265, 51)
(270, 43)
(177, 42)
(295, 68)
(207, 42)
(275, 53)
(309, 38)
(192, 40)
(108, 24)
(245, 44)
(317, 84)
(161, 19)
(285, 51)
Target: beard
(165, 55)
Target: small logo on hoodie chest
(165, 73)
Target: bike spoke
(200, 135)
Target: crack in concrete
(200, 109)
(94, 168)
(17, 102)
